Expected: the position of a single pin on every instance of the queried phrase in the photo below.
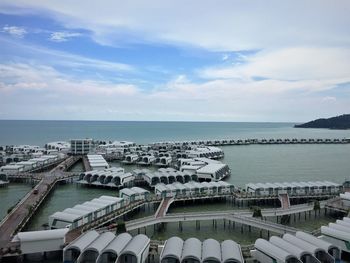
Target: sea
(248, 163)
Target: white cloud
(41, 87)
(62, 58)
(14, 31)
(15, 76)
(63, 36)
(329, 99)
(228, 25)
(309, 69)
(225, 57)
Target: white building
(97, 162)
(175, 250)
(80, 146)
(41, 241)
(85, 213)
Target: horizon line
(204, 121)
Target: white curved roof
(302, 243)
(100, 242)
(112, 198)
(84, 208)
(345, 196)
(343, 228)
(315, 241)
(139, 190)
(83, 241)
(192, 248)
(231, 251)
(76, 211)
(343, 223)
(127, 191)
(272, 250)
(335, 233)
(211, 250)
(172, 248)
(136, 245)
(118, 243)
(65, 216)
(346, 219)
(289, 247)
(42, 235)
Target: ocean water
(41, 132)
(251, 163)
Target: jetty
(25, 209)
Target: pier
(25, 209)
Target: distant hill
(341, 122)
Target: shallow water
(10, 195)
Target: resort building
(134, 194)
(210, 152)
(85, 213)
(107, 248)
(97, 162)
(167, 176)
(39, 241)
(193, 189)
(60, 146)
(205, 169)
(111, 177)
(80, 146)
(345, 198)
(294, 188)
(192, 250)
(338, 234)
(301, 247)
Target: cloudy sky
(198, 60)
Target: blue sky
(174, 60)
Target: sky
(198, 60)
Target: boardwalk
(285, 203)
(19, 216)
(243, 217)
(163, 207)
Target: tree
(256, 211)
(121, 228)
(317, 205)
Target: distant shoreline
(341, 122)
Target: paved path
(163, 207)
(285, 203)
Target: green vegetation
(256, 211)
(121, 228)
(341, 122)
(317, 205)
